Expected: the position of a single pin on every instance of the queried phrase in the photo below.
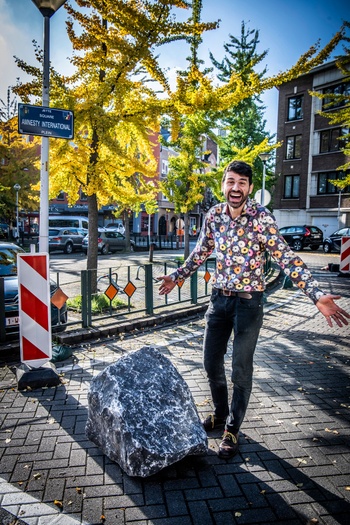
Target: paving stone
(273, 486)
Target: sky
(286, 29)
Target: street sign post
(45, 122)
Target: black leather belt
(230, 293)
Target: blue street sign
(46, 122)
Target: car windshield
(8, 260)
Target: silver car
(66, 239)
(109, 241)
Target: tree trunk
(127, 229)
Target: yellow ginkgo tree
(116, 106)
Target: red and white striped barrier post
(344, 266)
(34, 308)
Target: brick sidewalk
(294, 462)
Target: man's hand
(167, 284)
(331, 310)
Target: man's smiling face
(236, 189)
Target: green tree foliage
(338, 112)
(188, 174)
(19, 157)
(244, 124)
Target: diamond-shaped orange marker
(129, 289)
(207, 276)
(59, 298)
(180, 283)
(111, 292)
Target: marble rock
(142, 414)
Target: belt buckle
(228, 293)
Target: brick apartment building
(310, 154)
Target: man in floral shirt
(241, 231)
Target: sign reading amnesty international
(46, 122)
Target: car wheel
(297, 245)
(327, 248)
(68, 248)
(105, 249)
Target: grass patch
(99, 304)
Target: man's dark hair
(240, 167)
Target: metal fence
(136, 287)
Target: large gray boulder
(142, 414)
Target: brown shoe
(228, 446)
(211, 422)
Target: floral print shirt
(240, 246)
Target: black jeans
(245, 317)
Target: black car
(333, 242)
(299, 237)
(8, 270)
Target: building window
(165, 165)
(293, 150)
(83, 196)
(340, 91)
(60, 196)
(330, 139)
(295, 108)
(324, 186)
(291, 186)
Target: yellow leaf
(58, 503)
(301, 460)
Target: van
(68, 221)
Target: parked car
(66, 239)
(333, 242)
(109, 241)
(8, 270)
(4, 231)
(299, 237)
(117, 226)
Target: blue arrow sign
(45, 122)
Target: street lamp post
(17, 187)
(264, 157)
(47, 9)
